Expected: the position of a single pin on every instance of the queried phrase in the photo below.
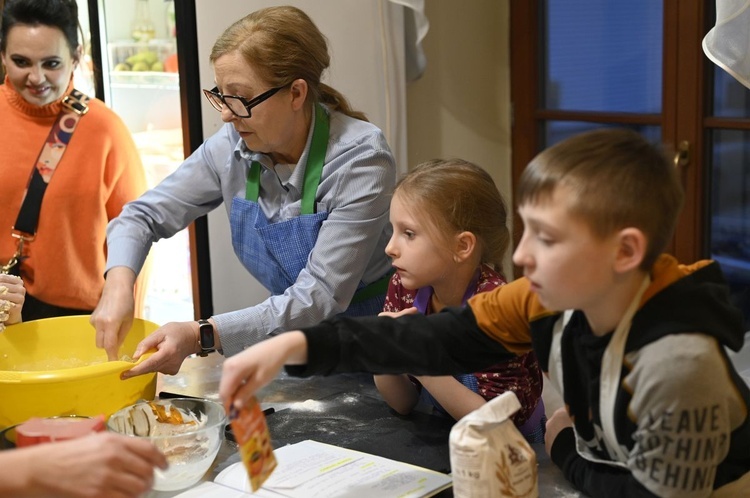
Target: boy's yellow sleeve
(506, 312)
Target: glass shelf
(134, 64)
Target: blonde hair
(455, 196)
(283, 44)
(617, 179)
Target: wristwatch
(206, 338)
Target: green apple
(141, 66)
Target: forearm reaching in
(243, 374)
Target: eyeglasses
(239, 106)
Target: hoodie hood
(684, 298)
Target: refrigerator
(153, 61)
(131, 55)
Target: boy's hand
(557, 422)
(246, 372)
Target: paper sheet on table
(311, 469)
(212, 490)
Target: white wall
(461, 105)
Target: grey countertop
(343, 410)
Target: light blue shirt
(355, 189)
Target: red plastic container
(43, 430)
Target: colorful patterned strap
(74, 105)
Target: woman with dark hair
(305, 181)
(83, 162)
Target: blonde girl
(449, 242)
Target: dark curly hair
(60, 14)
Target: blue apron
(422, 303)
(276, 253)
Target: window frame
(686, 103)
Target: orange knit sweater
(99, 172)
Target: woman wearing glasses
(305, 181)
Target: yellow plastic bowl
(52, 367)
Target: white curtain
(415, 29)
(728, 43)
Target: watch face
(207, 335)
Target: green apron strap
(313, 169)
(252, 186)
(373, 289)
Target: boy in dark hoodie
(634, 341)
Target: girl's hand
(396, 314)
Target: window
(640, 64)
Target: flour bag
(489, 456)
